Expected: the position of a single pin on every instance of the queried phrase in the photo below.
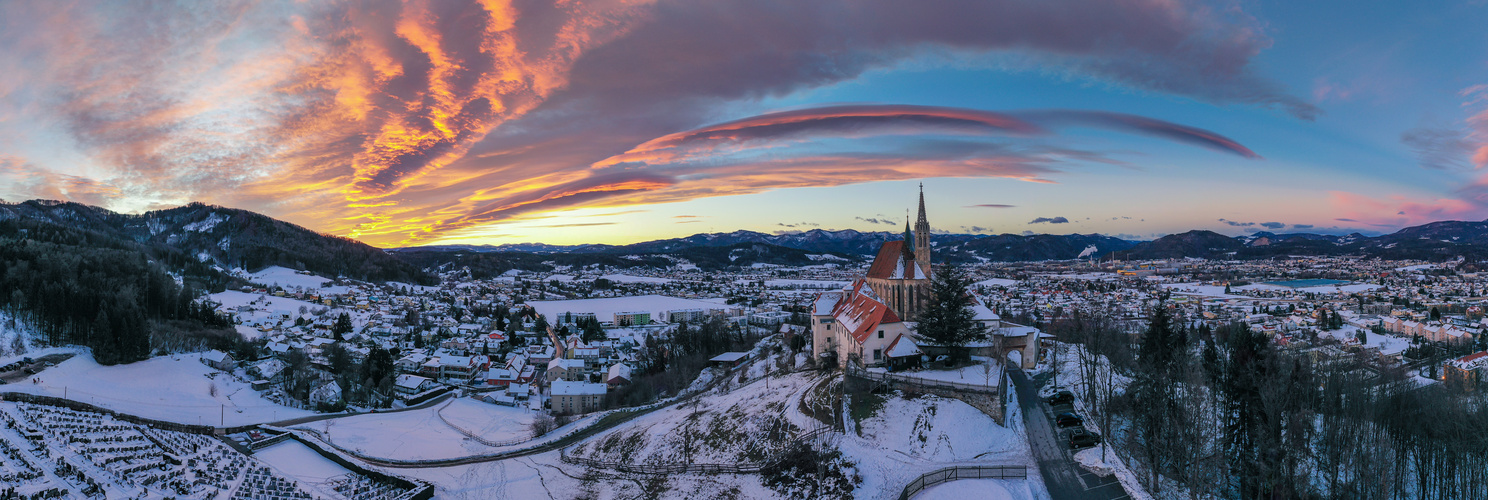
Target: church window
(880, 334)
(877, 354)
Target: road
(1065, 479)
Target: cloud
(976, 229)
(1302, 226)
(875, 220)
(988, 205)
(1050, 220)
(1439, 148)
(1237, 224)
(686, 216)
(582, 224)
(1122, 122)
(1345, 220)
(1272, 225)
(398, 122)
(798, 224)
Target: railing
(892, 378)
(963, 472)
(477, 438)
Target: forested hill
(79, 286)
(188, 237)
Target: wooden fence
(962, 472)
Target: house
(619, 374)
(408, 384)
(271, 370)
(577, 397)
(462, 369)
(853, 324)
(500, 377)
(327, 393)
(219, 360)
(566, 369)
(903, 353)
(729, 359)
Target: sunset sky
(427, 122)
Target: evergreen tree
(948, 320)
(342, 326)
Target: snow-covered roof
(730, 357)
(410, 381)
(619, 370)
(903, 346)
(566, 388)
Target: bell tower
(922, 235)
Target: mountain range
(199, 239)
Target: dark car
(1061, 398)
(1068, 420)
(1083, 439)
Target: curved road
(1065, 479)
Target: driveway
(1065, 479)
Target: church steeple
(922, 235)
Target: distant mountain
(848, 244)
(197, 235)
(1197, 243)
(1433, 241)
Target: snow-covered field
(982, 489)
(936, 429)
(420, 434)
(996, 282)
(294, 459)
(1217, 291)
(175, 388)
(732, 427)
(290, 279)
(984, 372)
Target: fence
(205, 430)
(477, 438)
(963, 472)
(899, 378)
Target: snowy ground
(936, 429)
(294, 459)
(289, 279)
(983, 489)
(732, 427)
(983, 372)
(1217, 291)
(175, 388)
(421, 434)
(909, 437)
(626, 278)
(997, 282)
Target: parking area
(1064, 477)
(27, 368)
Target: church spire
(922, 235)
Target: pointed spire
(922, 218)
(908, 236)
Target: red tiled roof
(862, 312)
(887, 260)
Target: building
(219, 360)
(408, 385)
(618, 374)
(687, 315)
(1465, 372)
(566, 369)
(900, 274)
(577, 397)
(852, 324)
(632, 318)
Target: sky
(405, 123)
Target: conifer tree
(948, 321)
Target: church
(869, 322)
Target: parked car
(1068, 420)
(1083, 439)
(1061, 398)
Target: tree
(342, 326)
(948, 321)
(592, 330)
(1435, 314)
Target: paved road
(1065, 479)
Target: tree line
(111, 298)
(1226, 413)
